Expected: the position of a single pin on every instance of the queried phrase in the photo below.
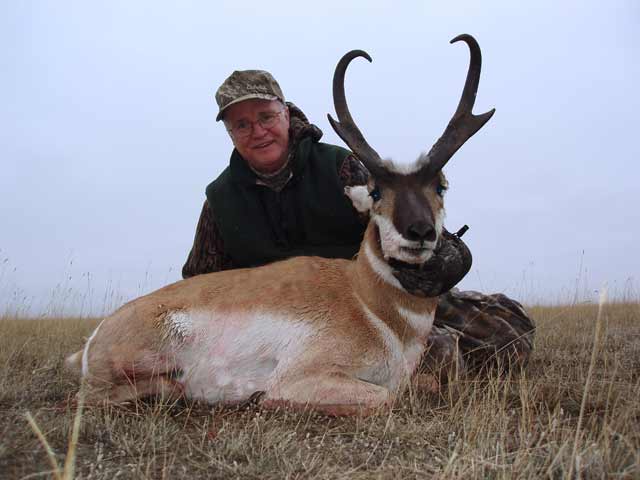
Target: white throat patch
(381, 268)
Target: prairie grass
(518, 425)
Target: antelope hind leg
(158, 385)
(335, 394)
(161, 386)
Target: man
(282, 195)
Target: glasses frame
(252, 125)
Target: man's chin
(267, 163)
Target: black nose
(421, 231)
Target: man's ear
(360, 198)
(226, 127)
(286, 113)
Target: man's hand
(449, 264)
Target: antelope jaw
(395, 246)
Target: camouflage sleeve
(353, 172)
(492, 329)
(473, 331)
(207, 254)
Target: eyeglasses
(243, 128)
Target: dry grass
(523, 426)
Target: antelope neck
(375, 285)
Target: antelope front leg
(335, 394)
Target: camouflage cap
(244, 85)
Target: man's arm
(207, 254)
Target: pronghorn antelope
(339, 336)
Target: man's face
(264, 148)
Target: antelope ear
(360, 198)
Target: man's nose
(258, 130)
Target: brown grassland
(574, 412)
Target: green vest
(310, 216)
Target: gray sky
(108, 137)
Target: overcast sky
(108, 134)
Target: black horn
(464, 124)
(345, 127)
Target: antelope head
(406, 202)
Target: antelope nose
(421, 231)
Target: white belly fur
(226, 358)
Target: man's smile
(263, 145)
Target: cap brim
(260, 96)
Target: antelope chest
(400, 357)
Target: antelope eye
(375, 194)
(440, 189)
